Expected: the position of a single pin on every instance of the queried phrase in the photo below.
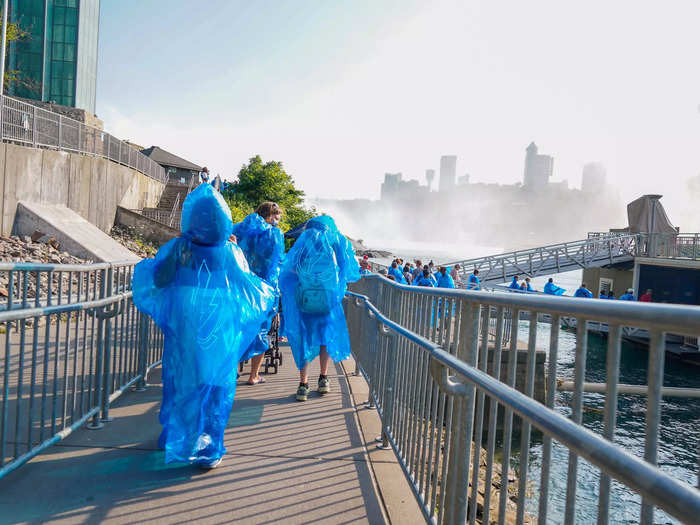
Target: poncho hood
(206, 218)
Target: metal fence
(69, 351)
(31, 125)
(443, 388)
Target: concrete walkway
(287, 462)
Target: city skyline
(342, 94)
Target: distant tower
(593, 179)
(448, 172)
(390, 186)
(538, 168)
(429, 177)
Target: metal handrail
(405, 339)
(174, 210)
(69, 352)
(31, 125)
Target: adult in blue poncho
(262, 243)
(208, 304)
(398, 274)
(444, 280)
(629, 296)
(552, 289)
(514, 284)
(474, 283)
(583, 292)
(313, 282)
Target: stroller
(273, 356)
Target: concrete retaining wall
(93, 187)
(148, 229)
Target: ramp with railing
(554, 258)
(459, 428)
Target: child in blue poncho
(201, 293)
(262, 243)
(313, 281)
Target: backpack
(317, 269)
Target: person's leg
(303, 390)
(324, 361)
(255, 363)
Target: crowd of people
(214, 290)
(419, 274)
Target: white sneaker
(208, 465)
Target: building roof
(165, 158)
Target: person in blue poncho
(313, 282)
(528, 286)
(474, 283)
(201, 293)
(629, 296)
(262, 243)
(514, 284)
(398, 274)
(425, 279)
(552, 289)
(583, 292)
(444, 280)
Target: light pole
(3, 50)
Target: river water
(680, 418)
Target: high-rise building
(57, 60)
(538, 168)
(429, 177)
(448, 172)
(593, 178)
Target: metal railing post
(60, 131)
(143, 351)
(98, 393)
(105, 317)
(34, 126)
(388, 399)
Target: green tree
(260, 181)
(15, 76)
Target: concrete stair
(169, 196)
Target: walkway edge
(393, 490)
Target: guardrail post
(34, 126)
(60, 130)
(107, 322)
(143, 352)
(390, 388)
(99, 363)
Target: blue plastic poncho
(398, 275)
(263, 246)
(313, 282)
(424, 281)
(514, 284)
(553, 289)
(208, 304)
(365, 271)
(474, 283)
(627, 297)
(583, 292)
(444, 281)
(528, 287)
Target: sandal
(260, 380)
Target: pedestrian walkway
(287, 462)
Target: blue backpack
(317, 270)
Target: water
(678, 439)
(680, 418)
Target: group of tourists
(214, 292)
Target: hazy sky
(343, 91)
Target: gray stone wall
(148, 229)
(91, 186)
(80, 115)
